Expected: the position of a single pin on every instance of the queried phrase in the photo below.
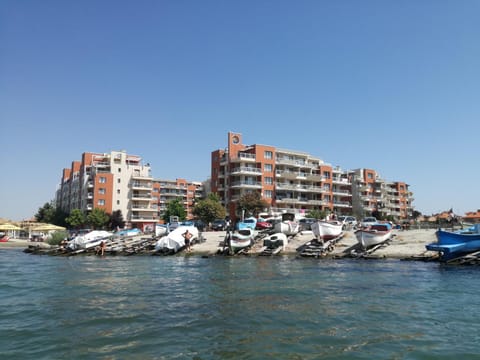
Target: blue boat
(248, 223)
(452, 244)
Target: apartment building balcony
(244, 157)
(168, 186)
(143, 207)
(341, 192)
(90, 184)
(246, 170)
(141, 196)
(292, 162)
(319, 202)
(299, 187)
(342, 204)
(142, 218)
(341, 181)
(287, 200)
(315, 177)
(89, 207)
(90, 196)
(101, 164)
(141, 185)
(247, 184)
(291, 175)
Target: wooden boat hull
(289, 228)
(374, 234)
(326, 230)
(453, 244)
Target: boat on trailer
(452, 244)
(239, 240)
(373, 235)
(326, 230)
(288, 225)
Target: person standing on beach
(187, 235)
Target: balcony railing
(246, 170)
(254, 184)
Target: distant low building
(472, 216)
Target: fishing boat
(374, 234)
(241, 239)
(451, 244)
(326, 230)
(174, 240)
(288, 225)
(248, 223)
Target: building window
(370, 175)
(101, 191)
(118, 202)
(119, 169)
(118, 191)
(268, 154)
(101, 202)
(267, 167)
(102, 180)
(118, 181)
(269, 180)
(267, 194)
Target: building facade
(295, 181)
(119, 181)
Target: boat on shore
(452, 244)
(276, 240)
(326, 230)
(240, 239)
(89, 240)
(174, 241)
(288, 225)
(374, 234)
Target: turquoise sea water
(148, 307)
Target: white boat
(276, 240)
(373, 235)
(288, 226)
(89, 240)
(161, 230)
(241, 239)
(326, 230)
(174, 240)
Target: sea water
(150, 307)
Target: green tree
(98, 218)
(59, 217)
(46, 214)
(116, 220)
(317, 214)
(252, 203)
(209, 209)
(175, 208)
(76, 219)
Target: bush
(57, 237)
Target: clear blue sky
(388, 85)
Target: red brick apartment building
(119, 181)
(296, 181)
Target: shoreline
(404, 244)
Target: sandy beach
(404, 244)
